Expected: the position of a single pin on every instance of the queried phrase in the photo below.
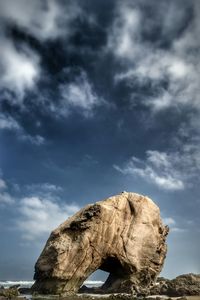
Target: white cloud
(40, 18)
(5, 197)
(158, 169)
(3, 184)
(178, 230)
(169, 221)
(9, 123)
(37, 139)
(44, 187)
(174, 170)
(78, 94)
(173, 225)
(39, 216)
(19, 68)
(143, 61)
(124, 32)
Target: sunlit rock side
(122, 235)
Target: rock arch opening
(115, 271)
(96, 279)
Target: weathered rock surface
(183, 285)
(122, 235)
(9, 293)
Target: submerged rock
(122, 235)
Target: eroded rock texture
(183, 285)
(122, 235)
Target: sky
(96, 98)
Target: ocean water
(24, 283)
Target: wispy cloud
(21, 65)
(42, 19)
(169, 221)
(43, 187)
(3, 184)
(19, 69)
(37, 139)
(41, 211)
(161, 57)
(146, 61)
(39, 216)
(173, 170)
(5, 196)
(79, 94)
(174, 228)
(158, 169)
(7, 122)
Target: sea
(27, 284)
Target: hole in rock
(96, 279)
(109, 272)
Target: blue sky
(98, 97)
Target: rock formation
(122, 235)
(9, 293)
(183, 285)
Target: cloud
(178, 230)
(79, 94)
(173, 170)
(39, 216)
(136, 41)
(169, 221)
(28, 84)
(5, 197)
(173, 225)
(44, 187)
(19, 69)
(44, 190)
(7, 122)
(20, 65)
(159, 63)
(42, 210)
(37, 139)
(124, 32)
(42, 19)
(3, 184)
(158, 169)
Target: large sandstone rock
(122, 235)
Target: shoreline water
(85, 296)
(29, 283)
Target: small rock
(9, 293)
